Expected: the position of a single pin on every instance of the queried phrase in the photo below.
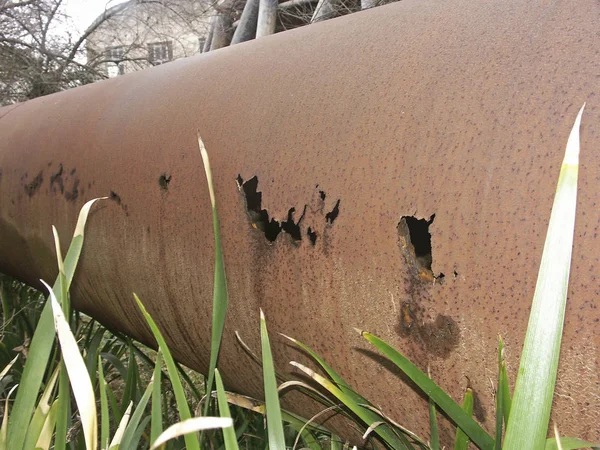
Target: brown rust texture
(456, 108)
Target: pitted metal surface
(457, 109)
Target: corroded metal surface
(356, 128)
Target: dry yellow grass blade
(191, 426)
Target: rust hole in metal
(415, 241)
(332, 215)
(420, 238)
(293, 228)
(258, 217)
(271, 227)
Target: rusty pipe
(331, 144)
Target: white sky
(83, 12)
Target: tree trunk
(221, 32)
(246, 29)
(326, 9)
(267, 18)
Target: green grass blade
(530, 413)
(220, 297)
(135, 419)
(434, 440)
(477, 434)
(104, 417)
(92, 351)
(337, 379)
(41, 413)
(506, 398)
(83, 390)
(195, 391)
(41, 346)
(45, 439)
(130, 391)
(115, 443)
(116, 363)
(139, 432)
(367, 416)
(273, 412)
(568, 443)
(228, 433)
(156, 424)
(462, 440)
(64, 389)
(191, 441)
(501, 391)
(62, 409)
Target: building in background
(135, 35)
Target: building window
(114, 57)
(160, 52)
(115, 54)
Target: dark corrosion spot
(332, 215)
(72, 195)
(441, 336)
(438, 338)
(478, 409)
(115, 197)
(34, 186)
(163, 181)
(72, 172)
(57, 179)
(312, 235)
(322, 195)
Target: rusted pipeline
(453, 112)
